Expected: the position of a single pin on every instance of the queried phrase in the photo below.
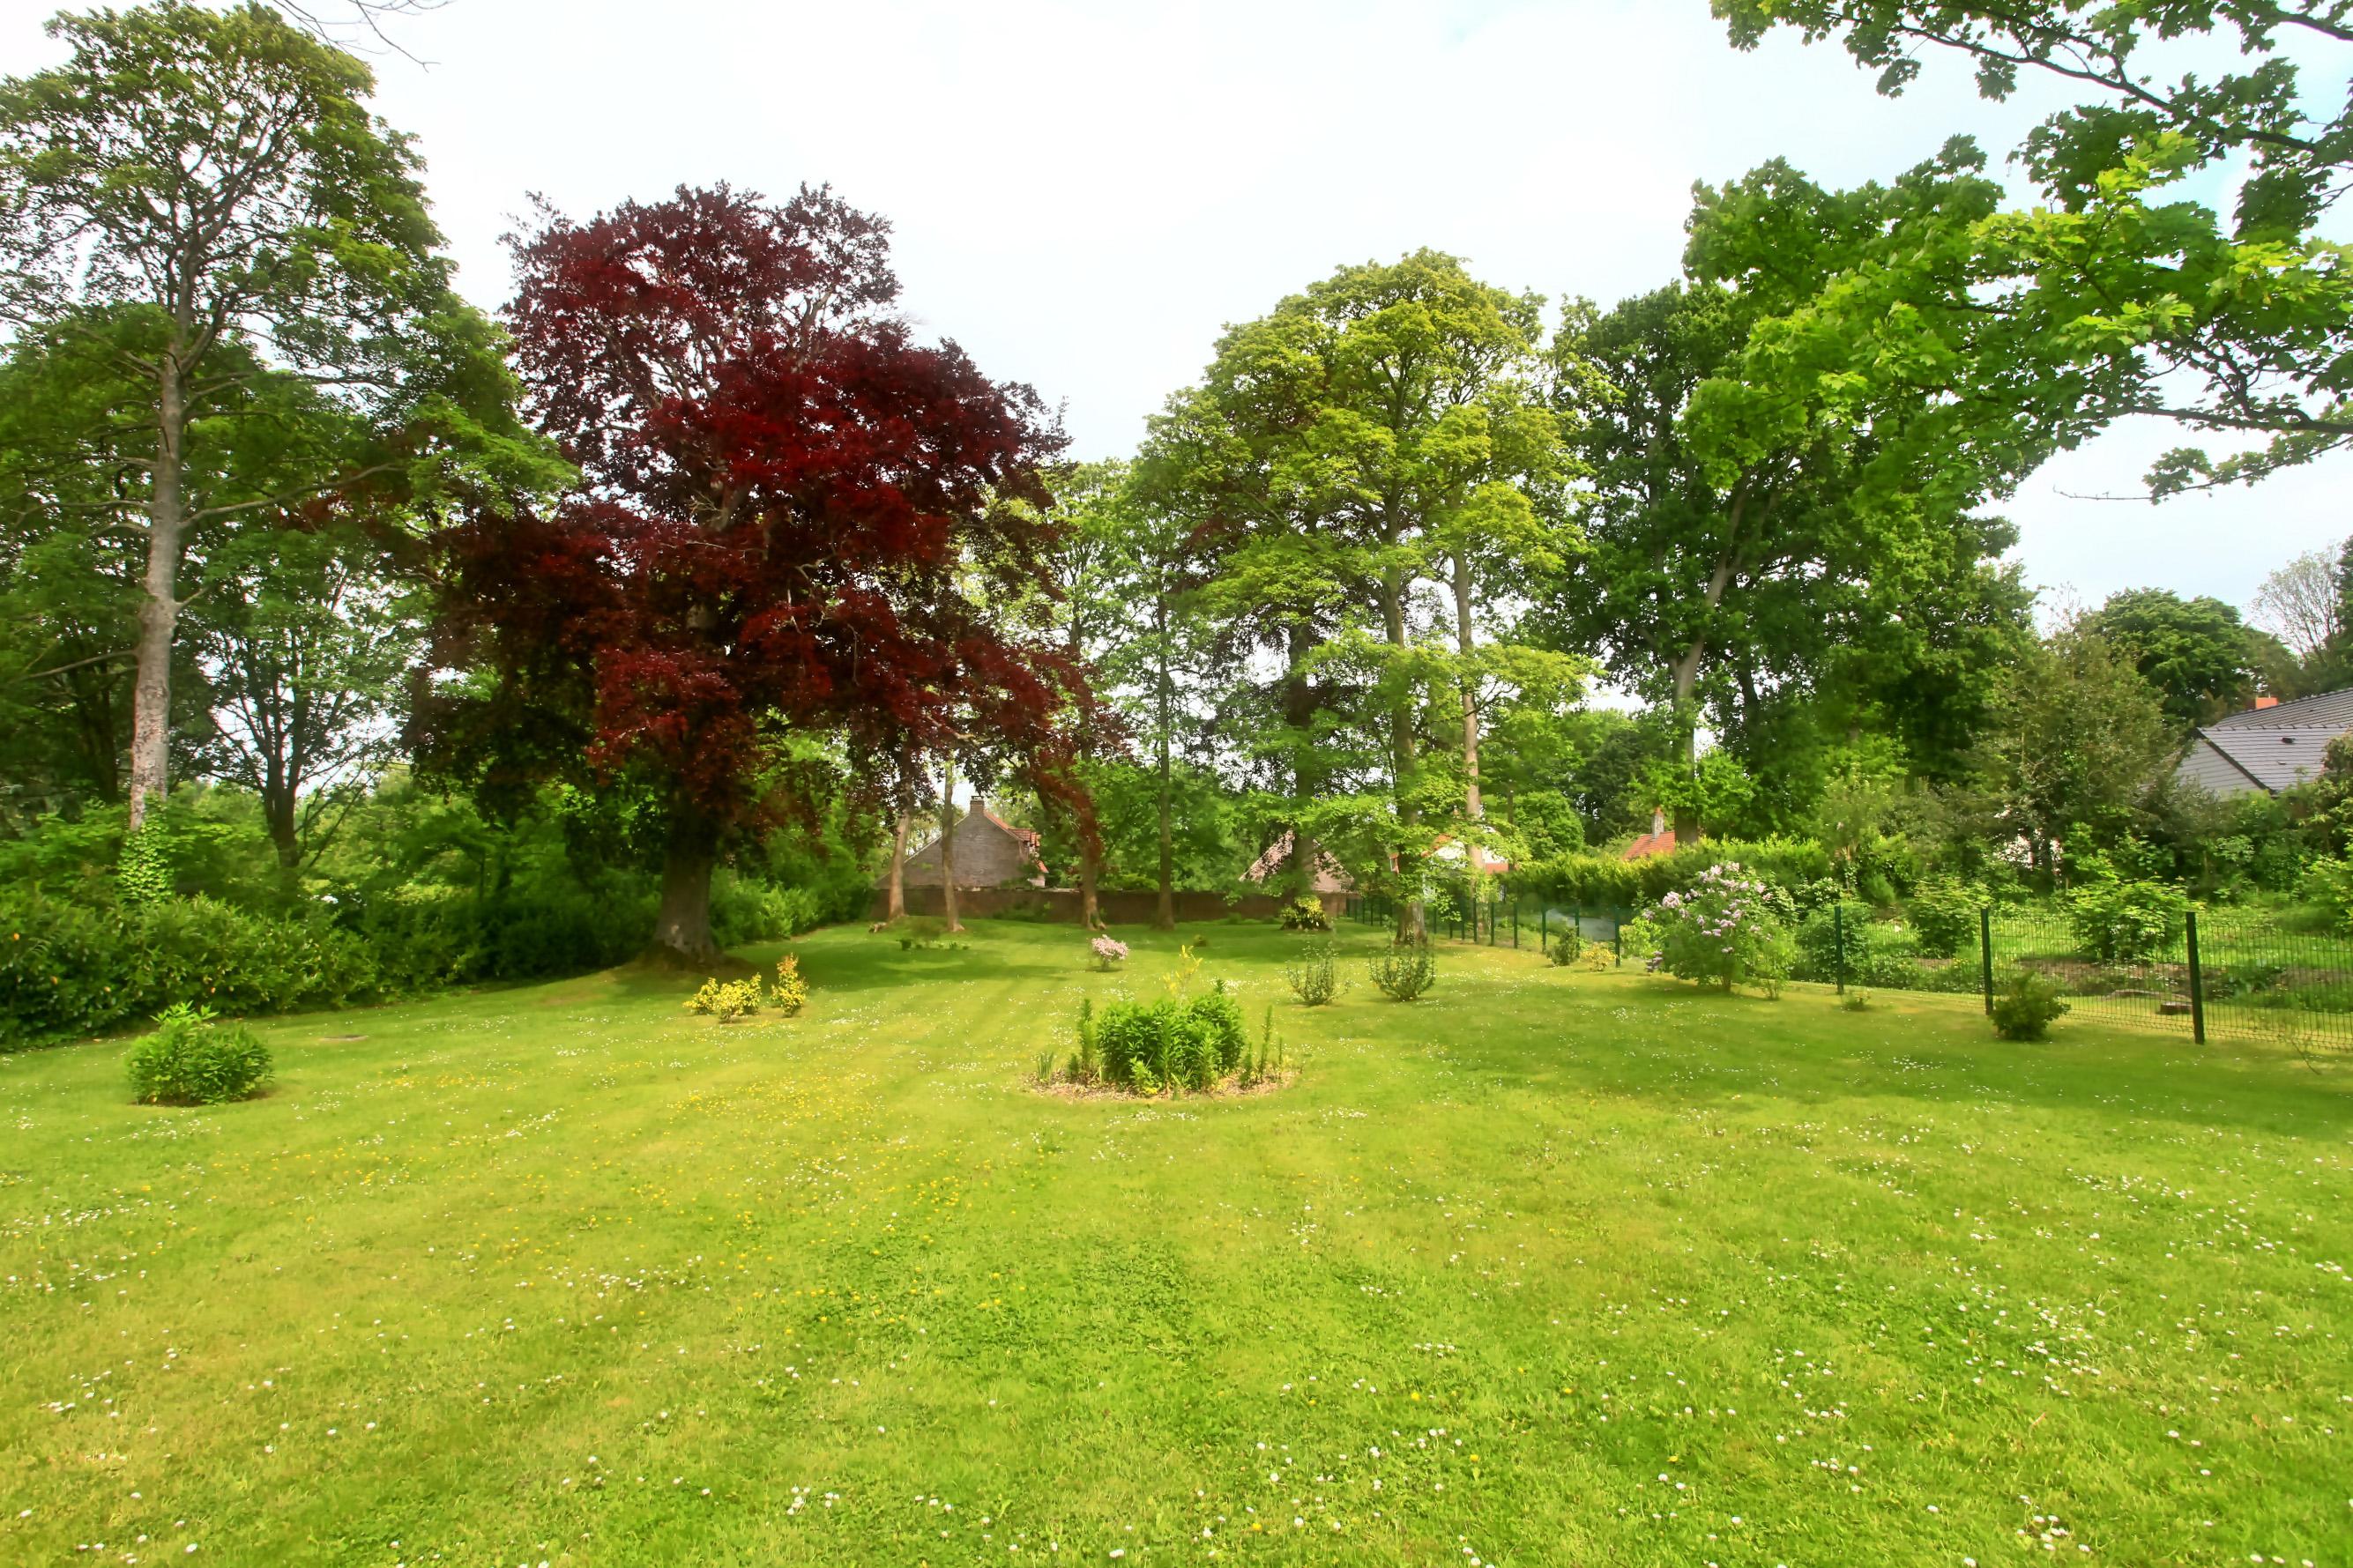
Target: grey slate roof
(2331, 711)
(2275, 756)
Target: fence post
(1492, 905)
(1516, 921)
(2197, 982)
(1544, 925)
(1985, 954)
(1617, 936)
(1838, 937)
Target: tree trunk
(278, 808)
(159, 605)
(1412, 925)
(948, 846)
(682, 928)
(1471, 805)
(1087, 874)
(897, 907)
(1687, 823)
(1164, 915)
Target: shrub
(789, 992)
(68, 968)
(1107, 952)
(2328, 884)
(1314, 978)
(1605, 880)
(1086, 1062)
(1404, 972)
(1305, 912)
(193, 1060)
(1729, 929)
(726, 1000)
(1566, 948)
(1145, 1046)
(2125, 922)
(1945, 915)
(2027, 1008)
(1267, 1063)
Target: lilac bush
(1727, 928)
(1108, 952)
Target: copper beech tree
(787, 524)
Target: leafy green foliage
(1305, 912)
(1945, 915)
(2195, 653)
(1314, 975)
(1609, 881)
(1566, 948)
(1168, 1042)
(1405, 971)
(2126, 921)
(2026, 1008)
(2119, 279)
(192, 1059)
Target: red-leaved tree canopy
(785, 525)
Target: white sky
(1085, 192)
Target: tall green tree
(2230, 324)
(205, 194)
(2077, 740)
(309, 640)
(2199, 657)
(1383, 430)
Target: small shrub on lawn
(2027, 1008)
(726, 1000)
(1267, 1064)
(1315, 978)
(1405, 973)
(1305, 912)
(1566, 948)
(193, 1059)
(1170, 1042)
(790, 990)
(1109, 953)
(916, 931)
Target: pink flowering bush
(1108, 952)
(1727, 928)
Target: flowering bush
(1728, 928)
(1108, 952)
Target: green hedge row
(70, 969)
(1605, 880)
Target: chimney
(2263, 702)
(1658, 820)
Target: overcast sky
(1085, 192)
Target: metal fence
(2213, 974)
(1501, 922)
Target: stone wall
(1061, 905)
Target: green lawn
(1549, 1269)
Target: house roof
(1659, 843)
(2276, 756)
(2330, 711)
